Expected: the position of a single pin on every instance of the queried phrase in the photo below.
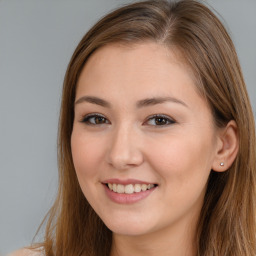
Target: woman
(156, 140)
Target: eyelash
(86, 119)
(168, 120)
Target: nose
(125, 149)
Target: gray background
(37, 38)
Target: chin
(128, 230)
(129, 226)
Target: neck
(177, 240)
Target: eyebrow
(139, 104)
(158, 100)
(93, 100)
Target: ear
(227, 147)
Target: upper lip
(126, 182)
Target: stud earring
(221, 164)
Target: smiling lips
(130, 188)
(129, 191)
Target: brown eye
(94, 120)
(160, 120)
(99, 120)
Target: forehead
(135, 64)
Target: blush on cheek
(179, 160)
(166, 158)
(85, 156)
(83, 163)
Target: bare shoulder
(26, 252)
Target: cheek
(86, 155)
(182, 159)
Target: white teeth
(129, 189)
(144, 187)
(137, 188)
(120, 188)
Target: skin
(129, 144)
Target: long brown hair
(227, 222)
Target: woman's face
(141, 125)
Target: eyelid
(85, 118)
(168, 118)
